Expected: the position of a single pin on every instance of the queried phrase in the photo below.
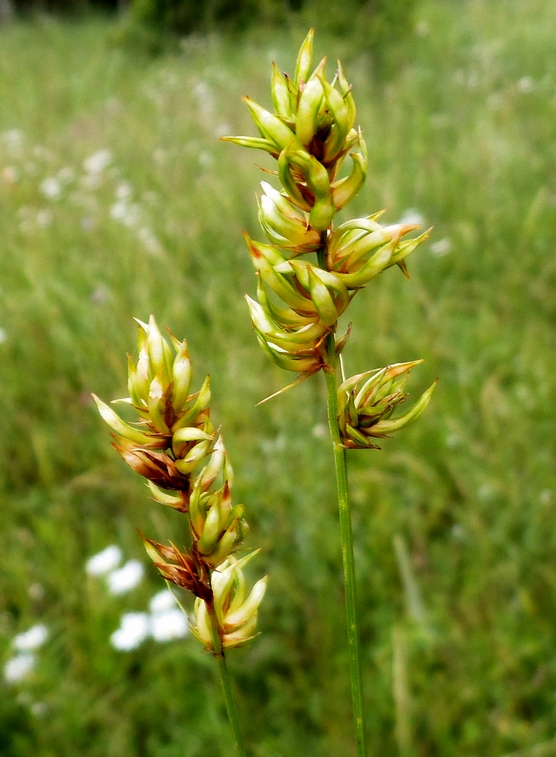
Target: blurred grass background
(118, 200)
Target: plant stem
(220, 658)
(346, 534)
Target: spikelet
(366, 402)
(176, 448)
(311, 133)
(236, 611)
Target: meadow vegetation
(118, 200)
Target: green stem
(346, 534)
(220, 658)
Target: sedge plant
(308, 271)
(175, 446)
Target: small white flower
(162, 601)
(124, 191)
(51, 188)
(36, 591)
(44, 218)
(31, 639)
(126, 578)
(422, 29)
(13, 138)
(19, 667)
(526, 85)
(205, 159)
(105, 561)
(458, 532)
(320, 431)
(441, 247)
(412, 215)
(98, 161)
(126, 213)
(168, 625)
(100, 295)
(149, 240)
(222, 129)
(134, 629)
(204, 95)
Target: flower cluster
(175, 446)
(366, 402)
(311, 133)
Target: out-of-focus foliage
(22, 7)
(376, 25)
(117, 199)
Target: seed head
(366, 402)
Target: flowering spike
(237, 624)
(367, 400)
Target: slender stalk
(346, 534)
(224, 675)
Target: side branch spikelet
(366, 402)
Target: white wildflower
(422, 29)
(19, 667)
(13, 138)
(412, 215)
(205, 159)
(98, 161)
(36, 591)
(204, 95)
(458, 532)
(320, 431)
(149, 240)
(126, 578)
(105, 561)
(441, 247)
(526, 85)
(222, 129)
(169, 624)
(123, 191)
(31, 639)
(162, 601)
(134, 629)
(44, 218)
(100, 295)
(51, 188)
(126, 213)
